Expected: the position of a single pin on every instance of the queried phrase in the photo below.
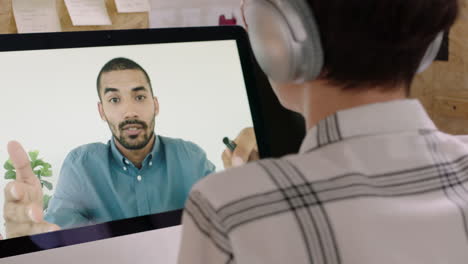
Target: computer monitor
(207, 87)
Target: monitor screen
(120, 125)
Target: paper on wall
(131, 6)
(88, 12)
(36, 16)
(171, 17)
(191, 17)
(162, 18)
(194, 13)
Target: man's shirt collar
(124, 162)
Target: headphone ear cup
(285, 39)
(271, 39)
(431, 53)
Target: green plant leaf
(47, 184)
(46, 173)
(45, 200)
(36, 163)
(33, 154)
(10, 175)
(46, 166)
(8, 165)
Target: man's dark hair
(119, 64)
(370, 43)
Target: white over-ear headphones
(286, 42)
(431, 52)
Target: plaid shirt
(372, 184)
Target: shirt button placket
(141, 196)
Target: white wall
(48, 99)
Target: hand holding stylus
(23, 198)
(243, 149)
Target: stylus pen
(231, 145)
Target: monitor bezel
(85, 39)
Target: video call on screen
(195, 96)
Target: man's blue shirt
(98, 184)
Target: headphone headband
(286, 41)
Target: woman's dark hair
(370, 43)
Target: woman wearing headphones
(375, 181)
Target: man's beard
(138, 144)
